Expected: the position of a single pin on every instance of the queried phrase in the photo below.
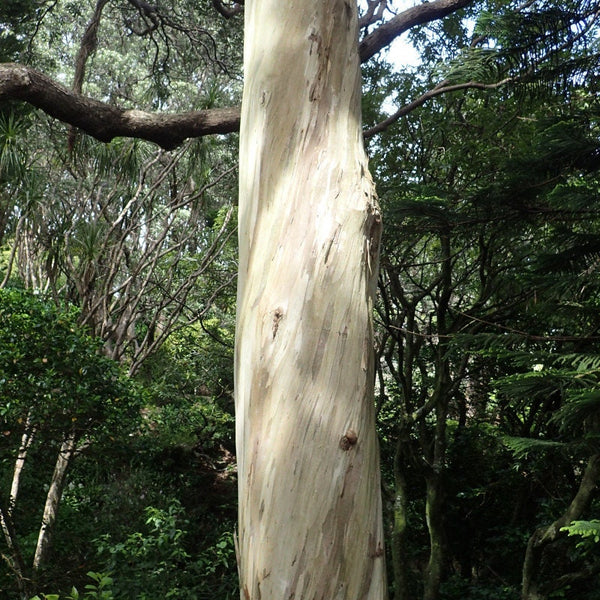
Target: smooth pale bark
(26, 441)
(63, 460)
(309, 226)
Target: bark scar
(377, 552)
(373, 238)
(277, 316)
(314, 38)
(316, 88)
(332, 241)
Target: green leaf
(521, 447)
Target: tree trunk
(398, 544)
(309, 491)
(14, 559)
(532, 588)
(434, 517)
(434, 472)
(26, 441)
(65, 454)
(435, 492)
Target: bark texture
(309, 226)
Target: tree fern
(521, 447)
(587, 530)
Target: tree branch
(441, 88)
(417, 15)
(586, 572)
(106, 122)
(89, 43)
(227, 11)
(53, 497)
(374, 13)
(545, 535)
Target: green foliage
(17, 21)
(521, 447)
(13, 154)
(589, 531)
(122, 157)
(55, 384)
(488, 312)
(99, 590)
(189, 387)
(154, 553)
(155, 563)
(52, 372)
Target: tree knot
(348, 440)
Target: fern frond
(581, 408)
(521, 447)
(580, 362)
(585, 529)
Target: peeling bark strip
(106, 122)
(308, 466)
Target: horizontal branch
(105, 122)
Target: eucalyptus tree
(310, 522)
